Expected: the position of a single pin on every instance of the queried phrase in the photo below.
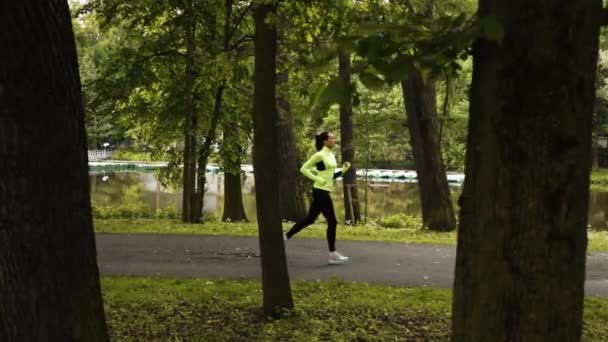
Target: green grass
(162, 309)
(599, 174)
(361, 233)
(599, 180)
(132, 155)
(598, 240)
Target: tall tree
(191, 116)
(275, 276)
(420, 98)
(291, 187)
(520, 267)
(232, 150)
(352, 209)
(49, 281)
(225, 49)
(291, 184)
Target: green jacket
(324, 164)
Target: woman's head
(324, 139)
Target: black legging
(321, 203)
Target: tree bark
(203, 156)
(232, 152)
(348, 145)
(189, 178)
(420, 99)
(291, 187)
(275, 276)
(520, 266)
(233, 198)
(595, 164)
(49, 280)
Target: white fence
(96, 155)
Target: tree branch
(243, 39)
(238, 21)
(162, 53)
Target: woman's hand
(345, 166)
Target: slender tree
(352, 212)
(275, 277)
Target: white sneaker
(337, 258)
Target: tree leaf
(371, 80)
(334, 92)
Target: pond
(384, 198)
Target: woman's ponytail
(320, 140)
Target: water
(384, 199)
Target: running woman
(325, 164)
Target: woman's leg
(327, 208)
(313, 213)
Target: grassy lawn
(599, 176)
(131, 156)
(598, 240)
(599, 180)
(161, 309)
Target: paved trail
(238, 257)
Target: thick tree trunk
(233, 198)
(189, 178)
(420, 99)
(520, 267)
(291, 187)
(352, 210)
(203, 156)
(275, 277)
(49, 281)
(232, 152)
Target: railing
(95, 155)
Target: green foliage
(132, 155)
(599, 177)
(600, 114)
(134, 212)
(164, 309)
(401, 221)
(134, 68)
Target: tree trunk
(233, 198)
(291, 186)
(348, 145)
(595, 164)
(189, 179)
(49, 281)
(203, 156)
(205, 150)
(232, 152)
(420, 99)
(275, 277)
(520, 266)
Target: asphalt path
(196, 256)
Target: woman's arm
(343, 170)
(305, 169)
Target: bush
(134, 212)
(401, 221)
